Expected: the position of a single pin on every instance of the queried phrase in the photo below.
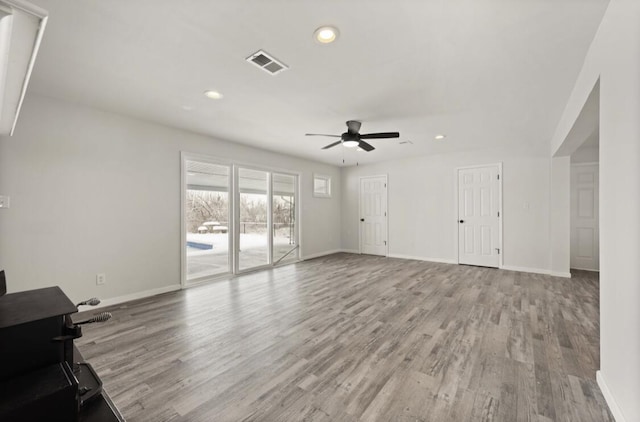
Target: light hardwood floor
(358, 338)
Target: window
(321, 186)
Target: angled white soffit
(21, 28)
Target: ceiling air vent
(266, 62)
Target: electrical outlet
(4, 201)
(101, 279)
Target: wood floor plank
(358, 338)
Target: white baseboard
(560, 274)
(135, 296)
(422, 258)
(355, 251)
(613, 406)
(526, 269)
(325, 253)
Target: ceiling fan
(352, 138)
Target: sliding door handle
(461, 221)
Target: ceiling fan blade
(353, 126)
(365, 146)
(333, 144)
(381, 135)
(322, 134)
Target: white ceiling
(488, 73)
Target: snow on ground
(220, 242)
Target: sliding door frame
(236, 229)
(184, 157)
(234, 216)
(236, 236)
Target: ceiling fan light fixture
(439, 137)
(326, 34)
(351, 143)
(214, 95)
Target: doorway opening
(584, 208)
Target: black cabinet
(40, 378)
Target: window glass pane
(254, 236)
(207, 219)
(284, 213)
(321, 185)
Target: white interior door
(479, 216)
(585, 236)
(373, 215)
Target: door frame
(236, 214)
(184, 157)
(571, 166)
(457, 209)
(233, 209)
(386, 205)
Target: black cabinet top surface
(34, 305)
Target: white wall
(422, 212)
(614, 58)
(95, 192)
(586, 155)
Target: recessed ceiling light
(440, 137)
(326, 34)
(351, 143)
(214, 95)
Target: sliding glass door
(253, 225)
(283, 212)
(207, 219)
(236, 218)
(268, 233)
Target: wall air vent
(267, 62)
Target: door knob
(362, 219)
(462, 221)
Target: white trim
(613, 406)
(386, 207)
(183, 224)
(560, 274)
(41, 14)
(184, 157)
(26, 7)
(330, 252)
(319, 254)
(422, 258)
(526, 269)
(135, 296)
(353, 251)
(457, 210)
(590, 163)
